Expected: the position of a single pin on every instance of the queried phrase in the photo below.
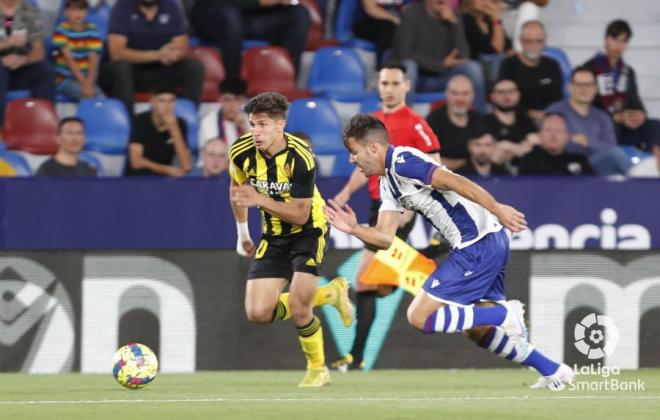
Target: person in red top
(405, 128)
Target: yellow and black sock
(324, 295)
(311, 341)
(282, 311)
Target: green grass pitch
(379, 394)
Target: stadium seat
(338, 73)
(561, 57)
(315, 33)
(214, 71)
(346, 14)
(17, 162)
(18, 94)
(107, 125)
(30, 125)
(270, 69)
(370, 104)
(186, 109)
(317, 118)
(92, 161)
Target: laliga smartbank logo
(596, 337)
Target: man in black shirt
(514, 132)
(452, 122)
(71, 139)
(157, 137)
(539, 78)
(481, 146)
(550, 157)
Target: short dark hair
(393, 65)
(582, 69)
(493, 84)
(161, 87)
(477, 131)
(272, 104)
(365, 126)
(618, 27)
(67, 120)
(76, 4)
(235, 86)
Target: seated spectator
(617, 89)
(79, 47)
(514, 132)
(550, 157)
(591, 129)
(157, 138)
(147, 41)
(538, 77)
(214, 160)
(524, 11)
(485, 34)
(227, 23)
(481, 146)
(229, 122)
(66, 162)
(23, 61)
(452, 122)
(649, 167)
(378, 22)
(431, 41)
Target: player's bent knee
(259, 314)
(415, 318)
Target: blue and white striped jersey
(407, 185)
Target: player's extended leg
(261, 297)
(310, 331)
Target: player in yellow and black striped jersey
(276, 172)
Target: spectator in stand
(66, 162)
(148, 42)
(79, 46)
(481, 146)
(525, 10)
(158, 137)
(550, 157)
(452, 121)
(227, 23)
(378, 22)
(591, 129)
(485, 34)
(214, 160)
(432, 42)
(649, 167)
(539, 78)
(230, 121)
(617, 89)
(23, 61)
(514, 131)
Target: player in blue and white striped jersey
(466, 292)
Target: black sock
(366, 313)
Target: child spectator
(79, 47)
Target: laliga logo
(596, 336)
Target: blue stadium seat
(18, 94)
(370, 104)
(17, 161)
(561, 57)
(338, 73)
(92, 161)
(634, 154)
(346, 14)
(107, 125)
(319, 120)
(429, 97)
(186, 109)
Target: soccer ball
(134, 365)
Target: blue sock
(538, 361)
(453, 318)
(496, 341)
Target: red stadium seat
(30, 125)
(270, 69)
(214, 71)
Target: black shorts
(402, 232)
(281, 256)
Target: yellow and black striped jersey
(291, 173)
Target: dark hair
(76, 4)
(582, 69)
(363, 127)
(394, 65)
(477, 131)
(235, 86)
(67, 120)
(160, 87)
(272, 104)
(618, 27)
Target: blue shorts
(472, 273)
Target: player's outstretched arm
(510, 218)
(344, 219)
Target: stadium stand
(30, 125)
(17, 164)
(270, 69)
(186, 109)
(214, 71)
(338, 73)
